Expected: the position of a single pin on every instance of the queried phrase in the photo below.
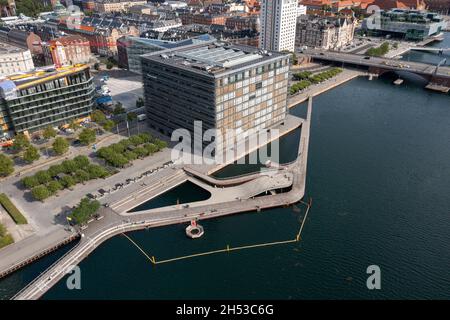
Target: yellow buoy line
(228, 248)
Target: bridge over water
(113, 223)
(378, 65)
(438, 50)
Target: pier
(113, 223)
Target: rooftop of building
(214, 57)
(69, 39)
(411, 15)
(166, 42)
(6, 48)
(39, 75)
(116, 1)
(330, 21)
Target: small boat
(398, 81)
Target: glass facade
(49, 101)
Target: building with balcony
(30, 102)
(227, 87)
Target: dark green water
(186, 192)
(430, 57)
(379, 176)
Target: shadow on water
(185, 192)
(288, 150)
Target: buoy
(194, 230)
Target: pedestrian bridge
(113, 223)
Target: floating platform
(437, 87)
(194, 231)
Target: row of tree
(30, 153)
(46, 183)
(307, 78)
(379, 51)
(303, 75)
(137, 146)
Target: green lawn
(12, 210)
(5, 238)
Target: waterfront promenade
(113, 224)
(317, 89)
(49, 234)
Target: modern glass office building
(131, 48)
(402, 23)
(224, 86)
(32, 101)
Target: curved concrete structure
(113, 224)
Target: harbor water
(379, 177)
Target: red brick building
(67, 50)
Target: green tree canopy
(30, 182)
(49, 132)
(60, 146)
(31, 8)
(84, 211)
(98, 116)
(96, 171)
(54, 186)
(55, 169)
(31, 154)
(87, 136)
(6, 165)
(81, 175)
(40, 192)
(68, 181)
(108, 125)
(81, 161)
(21, 142)
(43, 176)
(69, 166)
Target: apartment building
(14, 60)
(278, 20)
(324, 32)
(106, 6)
(45, 97)
(67, 50)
